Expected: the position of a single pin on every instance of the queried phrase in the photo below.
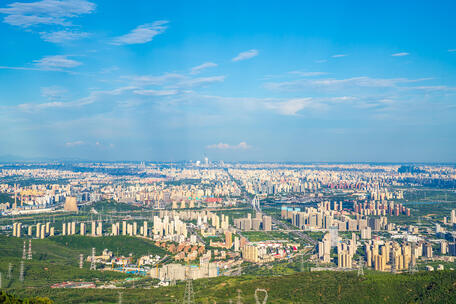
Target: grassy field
(56, 260)
(306, 287)
(258, 236)
(66, 249)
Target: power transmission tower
(257, 297)
(120, 298)
(412, 268)
(24, 254)
(189, 296)
(238, 301)
(93, 266)
(10, 270)
(302, 263)
(29, 255)
(360, 267)
(81, 261)
(21, 275)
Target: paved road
(300, 234)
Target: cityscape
(227, 152)
(203, 220)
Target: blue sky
(233, 80)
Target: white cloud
(199, 68)
(194, 82)
(30, 107)
(307, 74)
(171, 80)
(331, 83)
(400, 54)
(245, 55)
(143, 33)
(339, 55)
(74, 143)
(56, 63)
(155, 92)
(222, 146)
(53, 93)
(26, 14)
(156, 80)
(293, 106)
(62, 36)
(90, 99)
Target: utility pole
(0, 280)
(81, 261)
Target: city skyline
(257, 81)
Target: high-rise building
(228, 239)
(267, 223)
(70, 204)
